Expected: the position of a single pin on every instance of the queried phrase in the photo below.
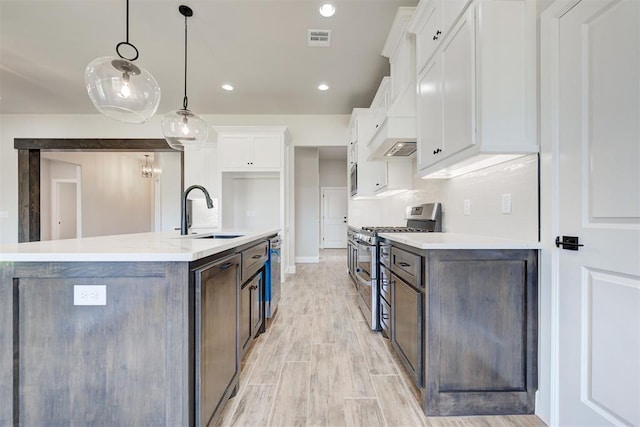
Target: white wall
(333, 173)
(115, 198)
(251, 201)
(305, 130)
(307, 204)
(167, 178)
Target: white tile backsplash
(484, 190)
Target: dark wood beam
(82, 144)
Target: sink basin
(217, 236)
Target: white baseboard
(307, 260)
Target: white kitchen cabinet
(393, 178)
(400, 49)
(431, 23)
(367, 171)
(476, 95)
(249, 151)
(445, 97)
(379, 106)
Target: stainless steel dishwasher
(272, 288)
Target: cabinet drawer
(253, 259)
(407, 266)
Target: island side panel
(482, 329)
(126, 362)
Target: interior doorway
(29, 149)
(66, 218)
(334, 217)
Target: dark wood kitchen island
(137, 329)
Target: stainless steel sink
(216, 236)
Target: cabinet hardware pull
(570, 243)
(404, 264)
(437, 151)
(256, 256)
(226, 265)
(385, 317)
(437, 34)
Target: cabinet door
(429, 115)
(429, 35)
(257, 304)
(406, 330)
(235, 152)
(458, 87)
(267, 151)
(400, 69)
(215, 334)
(380, 176)
(244, 335)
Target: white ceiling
(257, 45)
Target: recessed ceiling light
(227, 86)
(327, 10)
(323, 86)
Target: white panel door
(334, 217)
(65, 210)
(598, 201)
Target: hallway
(319, 365)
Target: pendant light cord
(126, 42)
(127, 31)
(185, 101)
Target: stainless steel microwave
(354, 180)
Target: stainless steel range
(363, 257)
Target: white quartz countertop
(457, 241)
(156, 246)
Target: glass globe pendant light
(182, 128)
(121, 89)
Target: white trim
(307, 260)
(549, 196)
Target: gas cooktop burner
(394, 229)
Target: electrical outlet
(467, 207)
(506, 203)
(90, 295)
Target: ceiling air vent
(319, 38)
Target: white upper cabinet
(367, 171)
(400, 49)
(431, 23)
(476, 84)
(246, 149)
(380, 105)
(445, 97)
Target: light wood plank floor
(318, 364)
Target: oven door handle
(362, 280)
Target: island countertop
(152, 246)
(456, 241)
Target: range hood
(395, 139)
(401, 149)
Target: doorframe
(55, 205)
(29, 170)
(322, 190)
(549, 197)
